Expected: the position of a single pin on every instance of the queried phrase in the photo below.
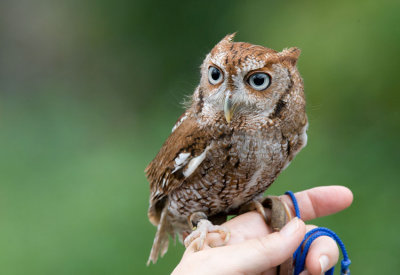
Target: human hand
(254, 249)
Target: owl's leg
(201, 227)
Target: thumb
(260, 254)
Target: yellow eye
(259, 81)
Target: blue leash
(299, 256)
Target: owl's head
(242, 81)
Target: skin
(254, 249)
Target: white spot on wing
(180, 161)
(179, 123)
(164, 183)
(181, 158)
(156, 193)
(195, 162)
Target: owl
(244, 124)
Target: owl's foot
(201, 227)
(280, 213)
(274, 211)
(258, 206)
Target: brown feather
(214, 167)
(187, 138)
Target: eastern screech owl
(245, 123)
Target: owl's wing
(179, 157)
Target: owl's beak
(228, 107)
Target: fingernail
(324, 262)
(305, 272)
(290, 228)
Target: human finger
(313, 203)
(322, 255)
(243, 227)
(259, 254)
(320, 201)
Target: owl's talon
(203, 228)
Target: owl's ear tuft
(225, 43)
(291, 55)
(230, 37)
(227, 39)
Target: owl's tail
(161, 240)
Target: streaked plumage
(233, 140)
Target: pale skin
(254, 249)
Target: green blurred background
(89, 90)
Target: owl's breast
(238, 166)
(261, 156)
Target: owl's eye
(259, 81)
(214, 75)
